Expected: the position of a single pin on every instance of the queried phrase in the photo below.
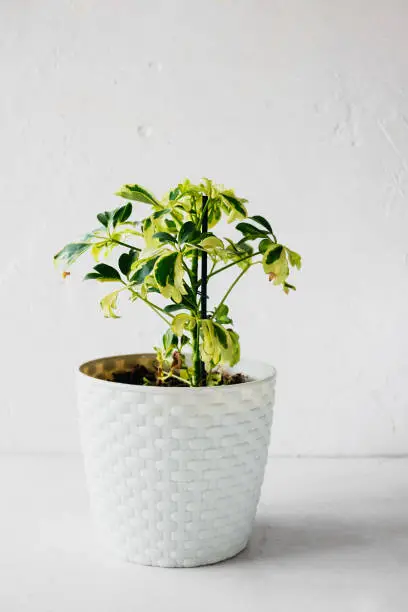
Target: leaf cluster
(158, 256)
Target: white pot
(174, 474)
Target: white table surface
(331, 535)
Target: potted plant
(175, 442)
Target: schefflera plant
(173, 252)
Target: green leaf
(188, 232)
(181, 322)
(184, 340)
(239, 251)
(104, 274)
(107, 272)
(137, 193)
(169, 273)
(126, 260)
(72, 251)
(122, 214)
(235, 347)
(173, 195)
(214, 214)
(221, 335)
(219, 345)
(250, 231)
(221, 315)
(262, 221)
(209, 350)
(164, 269)
(272, 255)
(170, 341)
(160, 213)
(287, 287)
(173, 307)
(164, 237)
(147, 224)
(265, 244)
(171, 226)
(275, 264)
(295, 259)
(212, 243)
(189, 298)
(104, 218)
(144, 271)
(236, 204)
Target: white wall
(301, 106)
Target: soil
(140, 375)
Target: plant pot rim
(267, 373)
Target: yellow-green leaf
(109, 305)
(137, 193)
(212, 243)
(181, 322)
(169, 274)
(275, 264)
(295, 259)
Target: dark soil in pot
(141, 375)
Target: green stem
(168, 314)
(240, 275)
(155, 308)
(128, 246)
(195, 246)
(187, 269)
(170, 375)
(233, 263)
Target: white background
(301, 107)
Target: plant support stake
(204, 279)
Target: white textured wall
(301, 106)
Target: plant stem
(168, 314)
(187, 269)
(240, 275)
(155, 308)
(178, 378)
(233, 263)
(204, 277)
(128, 246)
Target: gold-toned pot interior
(104, 367)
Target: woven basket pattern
(174, 474)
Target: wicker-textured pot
(174, 474)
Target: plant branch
(214, 263)
(128, 246)
(170, 375)
(195, 246)
(187, 269)
(233, 263)
(154, 307)
(240, 275)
